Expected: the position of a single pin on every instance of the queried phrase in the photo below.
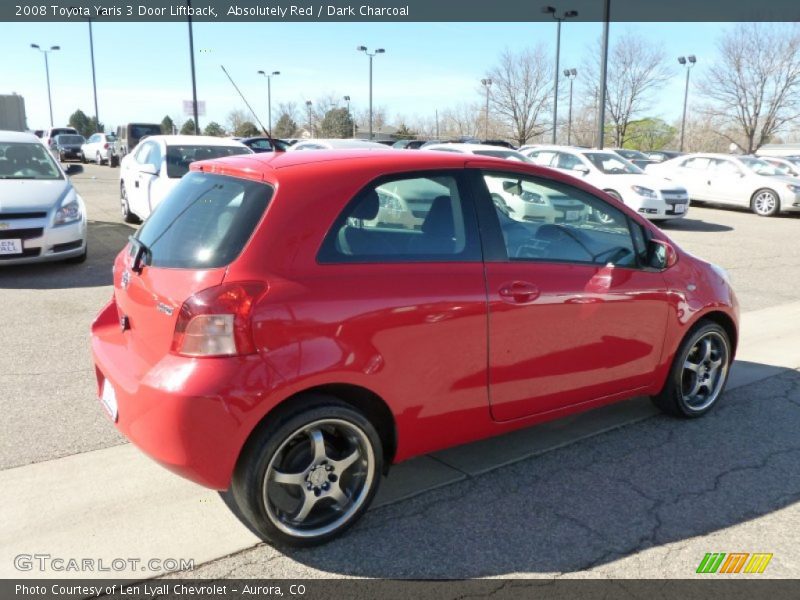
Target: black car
(67, 146)
(502, 143)
(637, 158)
(263, 144)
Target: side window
(551, 221)
(700, 163)
(567, 161)
(154, 158)
(724, 167)
(142, 154)
(405, 219)
(542, 157)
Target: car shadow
(106, 239)
(690, 224)
(643, 485)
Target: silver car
(738, 180)
(42, 217)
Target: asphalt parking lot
(641, 500)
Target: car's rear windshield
(180, 157)
(69, 139)
(56, 132)
(204, 222)
(27, 160)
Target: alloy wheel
(704, 371)
(318, 478)
(765, 202)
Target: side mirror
(149, 169)
(582, 169)
(661, 255)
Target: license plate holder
(680, 208)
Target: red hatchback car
(286, 325)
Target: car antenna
(275, 147)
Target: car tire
(701, 364)
(61, 157)
(83, 158)
(98, 159)
(127, 215)
(329, 459)
(81, 258)
(765, 203)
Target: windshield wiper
(142, 252)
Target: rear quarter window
(205, 222)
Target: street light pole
(194, 78)
(371, 56)
(269, 96)
(568, 14)
(47, 73)
(688, 62)
(601, 100)
(570, 74)
(94, 78)
(487, 83)
(310, 123)
(349, 114)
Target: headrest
(368, 207)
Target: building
(12, 113)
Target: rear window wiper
(142, 252)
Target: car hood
(18, 195)
(785, 179)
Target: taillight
(105, 146)
(217, 321)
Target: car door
(148, 178)
(693, 174)
(725, 182)
(573, 317)
(132, 174)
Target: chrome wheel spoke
(318, 443)
(690, 366)
(288, 478)
(706, 350)
(309, 501)
(345, 463)
(338, 496)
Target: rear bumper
(189, 415)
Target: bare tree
(462, 120)
(754, 87)
(637, 68)
(521, 92)
(236, 118)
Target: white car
(335, 144)
(518, 199)
(653, 197)
(737, 180)
(42, 216)
(100, 149)
(783, 165)
(154, 168)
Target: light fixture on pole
(567, 14)
(269, 77)
(570, 74)
(688, 62)
(310, 123)
(371, 56)
(47, 72)
(349, 114)
(487, 83)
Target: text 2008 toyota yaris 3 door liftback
(287, 325)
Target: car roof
(470, 148)
(193, 140)
(18, 136)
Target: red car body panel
(453, 360)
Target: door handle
(519, 292)
(136, 183)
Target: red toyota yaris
(286, 325)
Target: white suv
(100, 149)
(655, 198)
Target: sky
(143, 70)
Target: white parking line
(116, 503)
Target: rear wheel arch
(367, 402)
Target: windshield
(508, 154)
(69, 139)
(204, 222)
(180, 157)
(25, 160)
(759, 166)
(631, 154)
(612, 164)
